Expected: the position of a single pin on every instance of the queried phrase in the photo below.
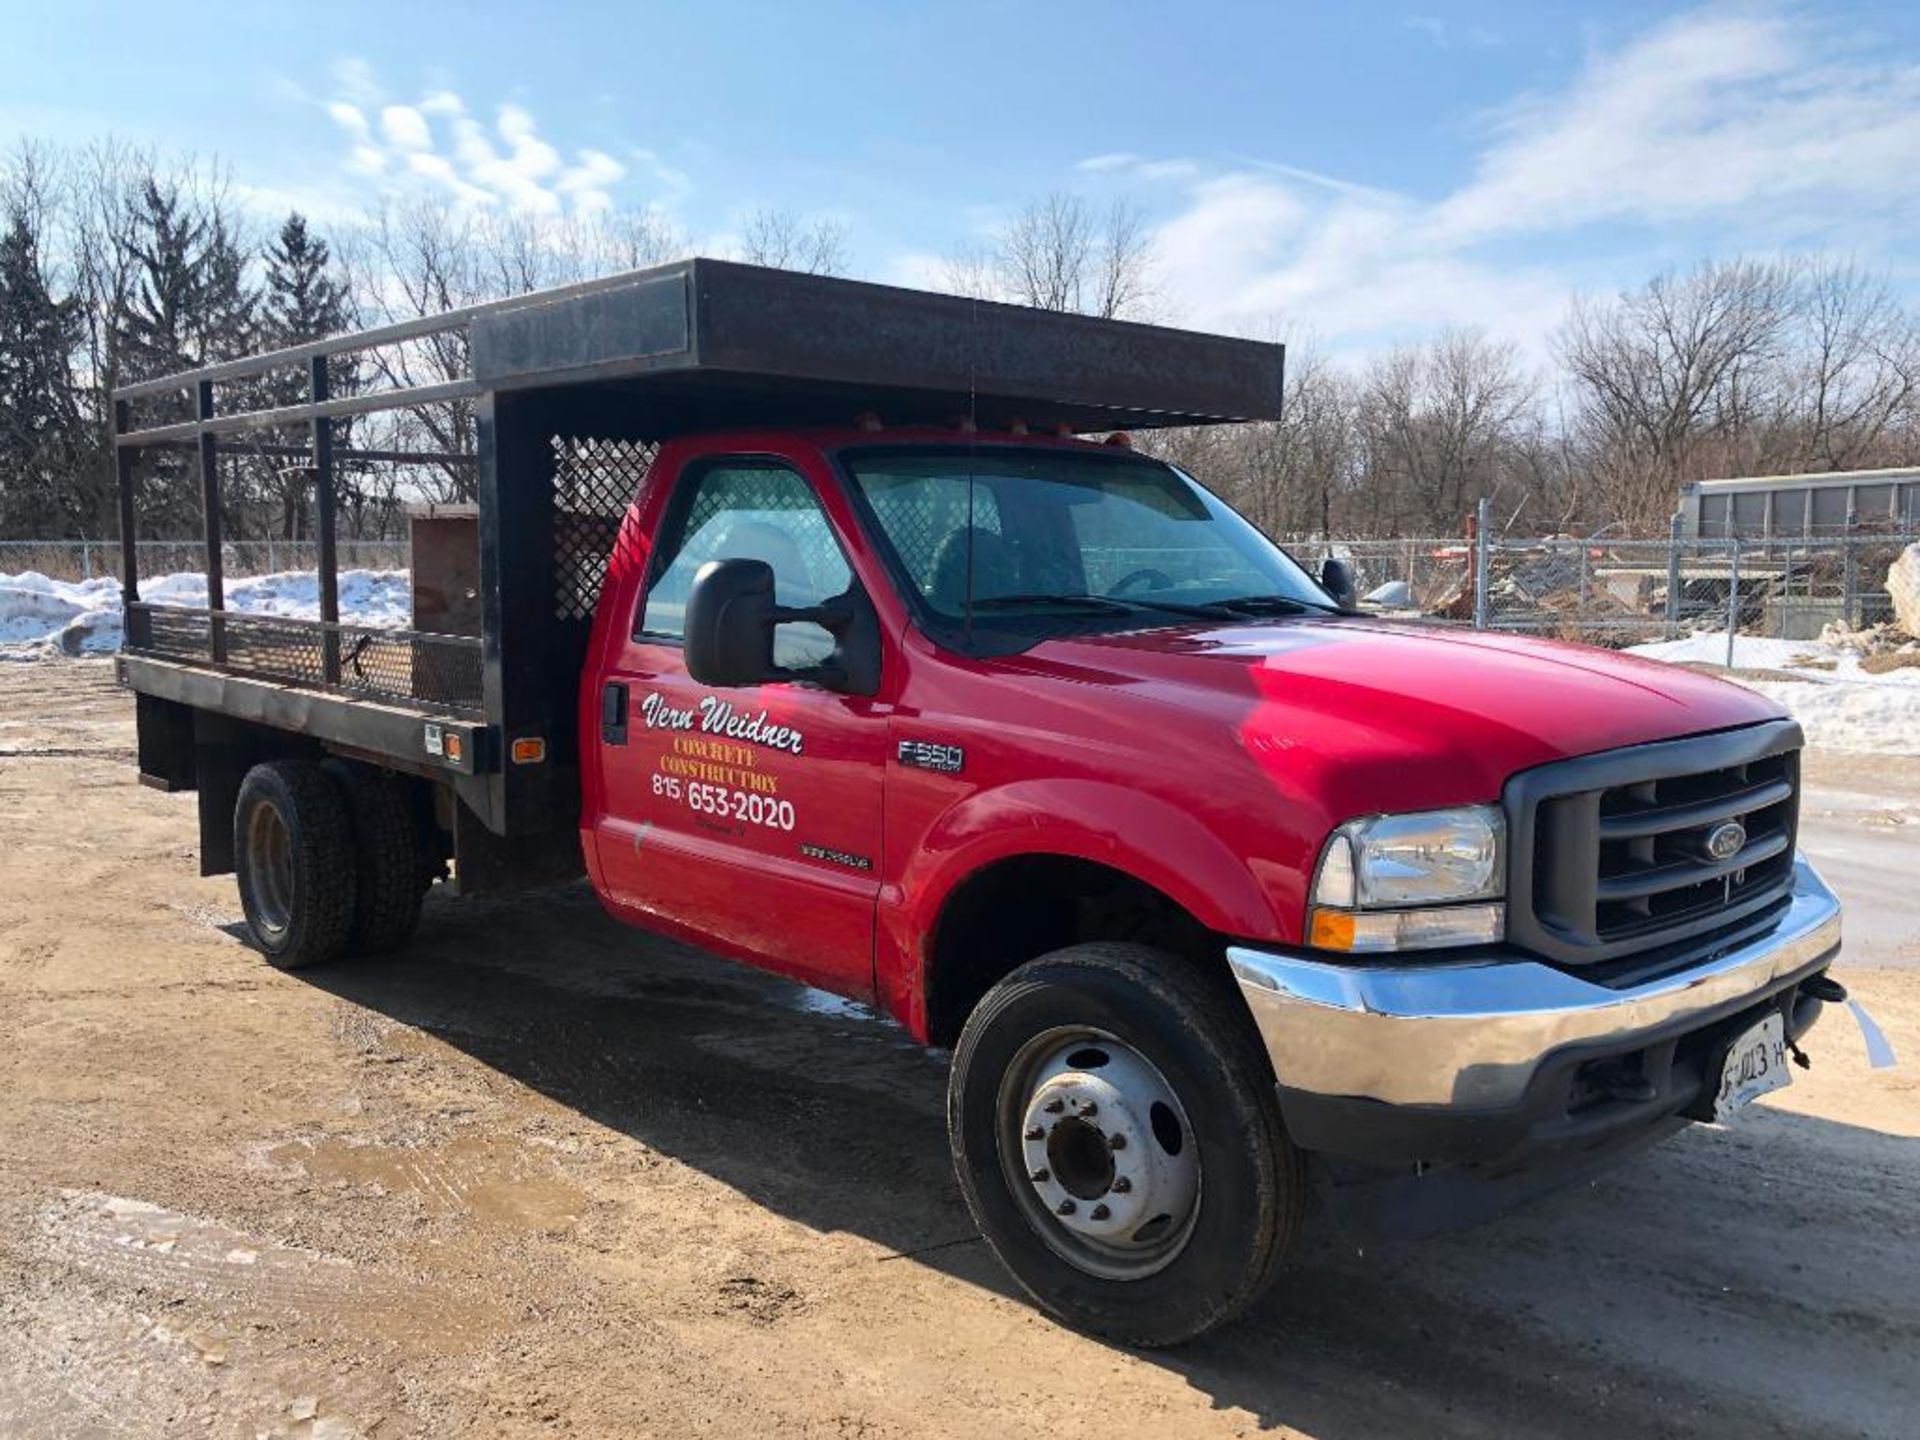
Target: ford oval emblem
(1726, 841)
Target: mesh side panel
(594, 481)
(389, 665)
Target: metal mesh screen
(406, 666)
(594, 481)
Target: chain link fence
(1626, 592)
(73, 560)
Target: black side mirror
(1337, 580)
(729, 625)
(729, 631)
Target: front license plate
(1756, 1065)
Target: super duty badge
(928, 755)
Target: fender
(1137, 834)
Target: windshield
(1057, 538)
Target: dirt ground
(543, 1175)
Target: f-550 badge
(928, 755)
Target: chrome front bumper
(1471, 1033)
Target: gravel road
(542, 1176)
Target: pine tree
(155, 334)
(43, 438)
(159, 322)
(226, 325)
(305, 300)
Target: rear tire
(1180, 1223)
(293, 860)
(389, 880)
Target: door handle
(613, 713)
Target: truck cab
(1222, 894)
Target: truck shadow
(1722, 1275)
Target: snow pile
(39, 616)
(1842, 699)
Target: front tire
(293, 859)
(1116, 1136)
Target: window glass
(1061, 523)
(748, 510)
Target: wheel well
(1018, 909)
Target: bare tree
(785, 241)
(1439, 426)
(1852, 373)
(1060, 254)
(1670, 375)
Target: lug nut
(1034, 1132)
(1100, 1212)
(1122, 1185)
(1087, 1107)
(1041, 1176)
(1067, 1207)
(1055, 1105)
(1116, 1142)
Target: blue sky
(1364, 172)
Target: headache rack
(569, 392)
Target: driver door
(746, 818)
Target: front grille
(1610, 855)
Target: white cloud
(354, 79)
(1731, 130)
(405, 128)
(1116, 160)
(439, 143)
(349, 118)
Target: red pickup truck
(815, 636)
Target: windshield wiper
(1101, 604)
(1270, 605)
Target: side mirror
(729, 624)
(1337, 580)
(729, 632)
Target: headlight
(1401, 866)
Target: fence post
(1733, 595)
(210, 510)
(1483, 516)
(1673, 576)
(327, 560)
(1849, 571)
(123, 458)
(1580, 614)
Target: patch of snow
(1838, 704)
(41, 617)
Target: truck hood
(1360, 696)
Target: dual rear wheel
(328, 859)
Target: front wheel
(1116, 1135)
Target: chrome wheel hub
(1100, 1151)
